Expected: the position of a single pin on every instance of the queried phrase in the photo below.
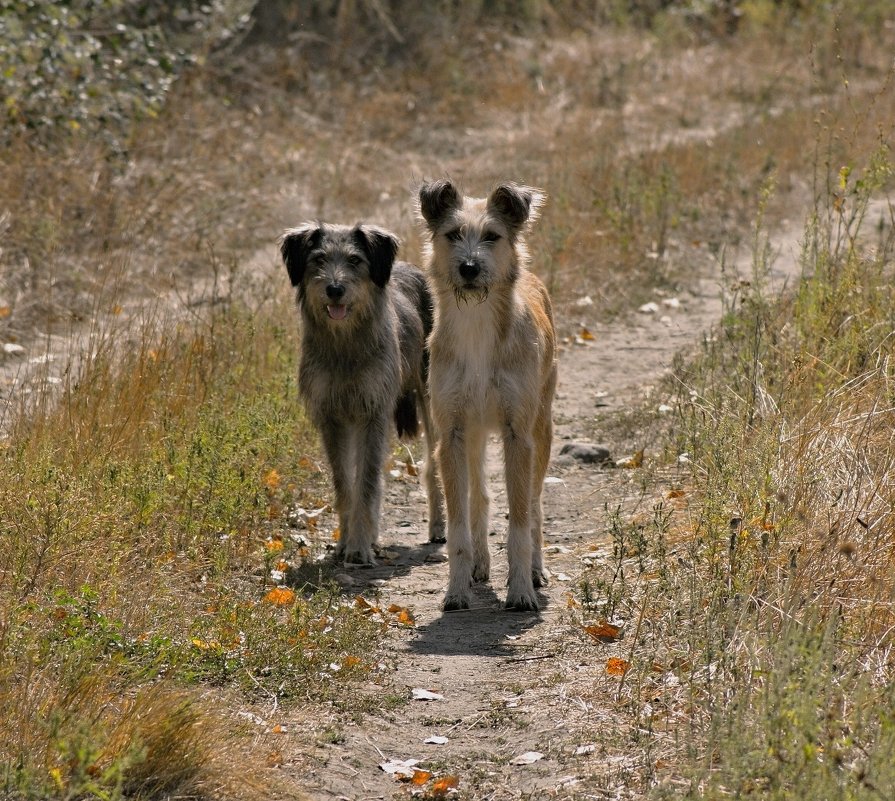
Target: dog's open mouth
(337, 311)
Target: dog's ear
(381, 247)
(516, 205)
(437, 199)
(295, 246)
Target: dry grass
(169, 451)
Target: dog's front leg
(518, 455)
(454, 475)
(372, 442)
(337, 442)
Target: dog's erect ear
(295, 246)
(515, 205)
(437, 199)
(381, 247)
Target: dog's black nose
(469, 269)
(334, 291)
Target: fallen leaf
(274, 545)
(280, 596)
(272, 479)
(420, 694)
(420, 777)
(675, 493)
(616, 666)
(278, 729)
(635, 460)
(586, 335)
(436, 739)
(528, 758)
(337, 534)
(5, 311)
(365, 606)
(604, 631)
(274, 759)
(581, 750)
(444, 784)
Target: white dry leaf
(671, 303)
(420, 694)
(436, 739)
(587, 300)
(528, 758)
(553, 480)
(581, 750)
(12, 349)
(649, 308)
(399, 767)
(563, 577)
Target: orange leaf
(420, 777)
(272, 479)
(280, 596)
(5, 311)
(445, 783)
(604, 632)
(586, 335)
(405, 617)
(636, 460)
(274, 545)
(675, 493)
(351, 661)
(336, 534)
(616, 666)
(365, 606)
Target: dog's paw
(481, 573)
(362, 557)
(522, 600)
(453, 603)
(436, 532)
(540, 576)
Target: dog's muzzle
(336, 310)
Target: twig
(528, 658)
(621, 681)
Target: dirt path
(512, 683)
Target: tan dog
(493, 367)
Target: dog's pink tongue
(337, 312)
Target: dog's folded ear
(437, 199)
(295, 246)
(381, 247)
(516, 205)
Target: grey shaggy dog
(365, 319)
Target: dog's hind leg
(543, 435)
(518, 454)
(452, 463)
(339, 447)
(430, 476)
(477, 439)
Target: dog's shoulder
(411, 288)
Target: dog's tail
(405, 415)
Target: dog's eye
(454, 236)
(354, 261)
(490, 236)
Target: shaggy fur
(493, 368)
(364, 323)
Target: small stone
(12, 349)
(586, 452)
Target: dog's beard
(478, 295)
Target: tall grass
(764, 581)
(143, 507)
